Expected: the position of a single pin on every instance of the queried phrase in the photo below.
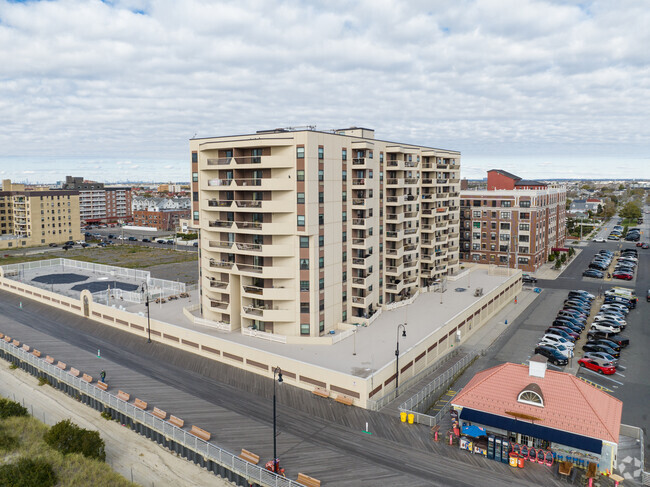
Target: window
(300, 152)
(493, 236)
(304, 328)
(196, 215)
(321, 305)
(321, 283)
(524, 216)
(345, 237)
(504, 226)
(477, 213)
(300, 175)
(195, 177)
(304, 307)
(301, 220)
(344, 256)
(344, 216)
(523, 250)
(476, 224)
(525, 227)
(304, 242)
(321, 219)
(321, 153)
(344, 175)
(304, 264)
(301, 198)
(381, 157)
(505, 215)
(304, 286)
(524, 238)
(344, 278)
(195, 157)
(476, 246)
(524, 204)
(344, 196)
(344, 315)
(504, 237)
(344, 154)
(506, 204)
(321, 326)
(522, 260)
(321, 175)
(321, 241)
(370, 174)
(493, 225)
(476, 235)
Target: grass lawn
(72, 470)
(131, 256)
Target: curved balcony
(269, 293)
(266, 271)
(264, 184)
(276, 314)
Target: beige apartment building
(37, 217)
(302, 230)
(513, 222)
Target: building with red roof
(545, 409)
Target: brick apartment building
(301, 229)
(100, 204)
(514, 222)
(167, 220)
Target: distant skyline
(114, 90)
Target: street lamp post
(146, 286)
(277, 371)
(403, 327)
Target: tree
(67, 437)
(621, 187)
(631, 210)
(599, 210)
(558, 264)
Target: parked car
(595, 273)
(84, 245)
(110, 235)
(600, 239)
(132, 239)
(595, 347)
(554, 356)
(53, 245)
(146, 240)
(645, 246)
(584, 293)
(614, 337)
(564, 350)
(169, 242)
(160, 241)
(601, 357)
(566, 332)
(595, 366)
(555, 339)
(621, 308)
(608, 343)
(602, 327)
(528, 278)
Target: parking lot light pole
(403, 327)
(146, 286)
(277, 371)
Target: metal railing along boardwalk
(208, 450)
(420, 402)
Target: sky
(113, 90)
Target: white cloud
(111, 83)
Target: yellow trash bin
(411, 418)
(402, 416)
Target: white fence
(118, 294)
(219, 325)
(343, 335)
(264, 335)
(209, 450)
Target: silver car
(602, 358)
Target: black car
(146, 240)
(554, 356)
(528, 278)
(133, 239)
(53, 245)
(594, 347)
(597, 266)
(614, 337)
(608, 343)
(567, 324)
(84, 245)
(560, 332)
(581, 323)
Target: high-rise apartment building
(100, 204)
(514, 222)
(302, 230)
(37, 217)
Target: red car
(623, 275)
(639, 244)
(601, 369)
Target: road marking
(602, 375)
(617, 373)
(595, 384)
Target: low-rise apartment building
(514, 222)
(37, 217)
(302, 230)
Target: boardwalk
(317, 436)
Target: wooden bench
(139, 403)
(36, 353)
(123, 395)
(102, 385)
(61, 365)
(159, 413)
(343, 399)
(49, 360)
(307, 481)
(322, 392)
(16, 343)
(74, 372)
(249, 457)
(87, 378)
(176, 421)
(7, 339)
(201, 433)
(26, 347)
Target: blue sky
(114, 90)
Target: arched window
(531, 394)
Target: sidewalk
(547, 270)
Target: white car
(79, 242)
(595, 326)
(585, 293)
(600, 239)
(621, 308)
(563, 349)
(557, 340)
(604, 316)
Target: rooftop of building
(569, 403)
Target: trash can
(402, 417)
(521, 461)
(514, 459)
(411, 418)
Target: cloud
(128, 80)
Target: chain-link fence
(208, 450)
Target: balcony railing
(252, 225)
(221, 161)
(221, 244)
(248, 159)
(358, 281)
(249, 246)
(220, 224)
(219, 304)
(220, 203)
(250, 268)
(219, 182)
(221, 264)
(248, 203)
(359, 300)
(249, 182)
(410, 231)
(359, 161)
(358, 182)
(358, 241)
(218, 284)
(254, 290)
(411, 180)
(358, 202)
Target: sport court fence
(161, 429)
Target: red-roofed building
(543, 409)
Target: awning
(534, 430)
(473, 431)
